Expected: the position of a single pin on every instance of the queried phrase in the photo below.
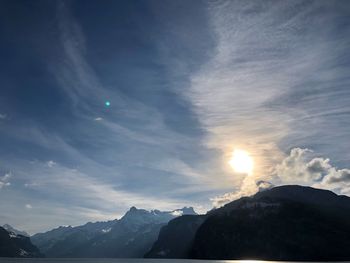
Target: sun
(241, 162)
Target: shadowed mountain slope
(283, 223)
(13, 245)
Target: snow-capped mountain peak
(10, 229)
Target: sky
(104, 106)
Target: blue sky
(187, 82)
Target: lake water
(131, 260)
(118, 260)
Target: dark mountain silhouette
(131, 236)
(175, 239)
(283, 223)
(307, 195)
(13, 245)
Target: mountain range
(285, 223)
(131, 236)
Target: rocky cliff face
(9, 228)
(13, 245)
(175, 239)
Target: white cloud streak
(64, 183)
(246, 96)
(267, 54)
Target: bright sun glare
(241, 162)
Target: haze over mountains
(283, 223)
(131, 236)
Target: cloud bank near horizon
(299, 167)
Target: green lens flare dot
(107, 103)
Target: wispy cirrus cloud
(93, 187)
(86, 196)
(275, 81)
(51, 163)
(186, 86)
(82, 84)
(83, 189)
